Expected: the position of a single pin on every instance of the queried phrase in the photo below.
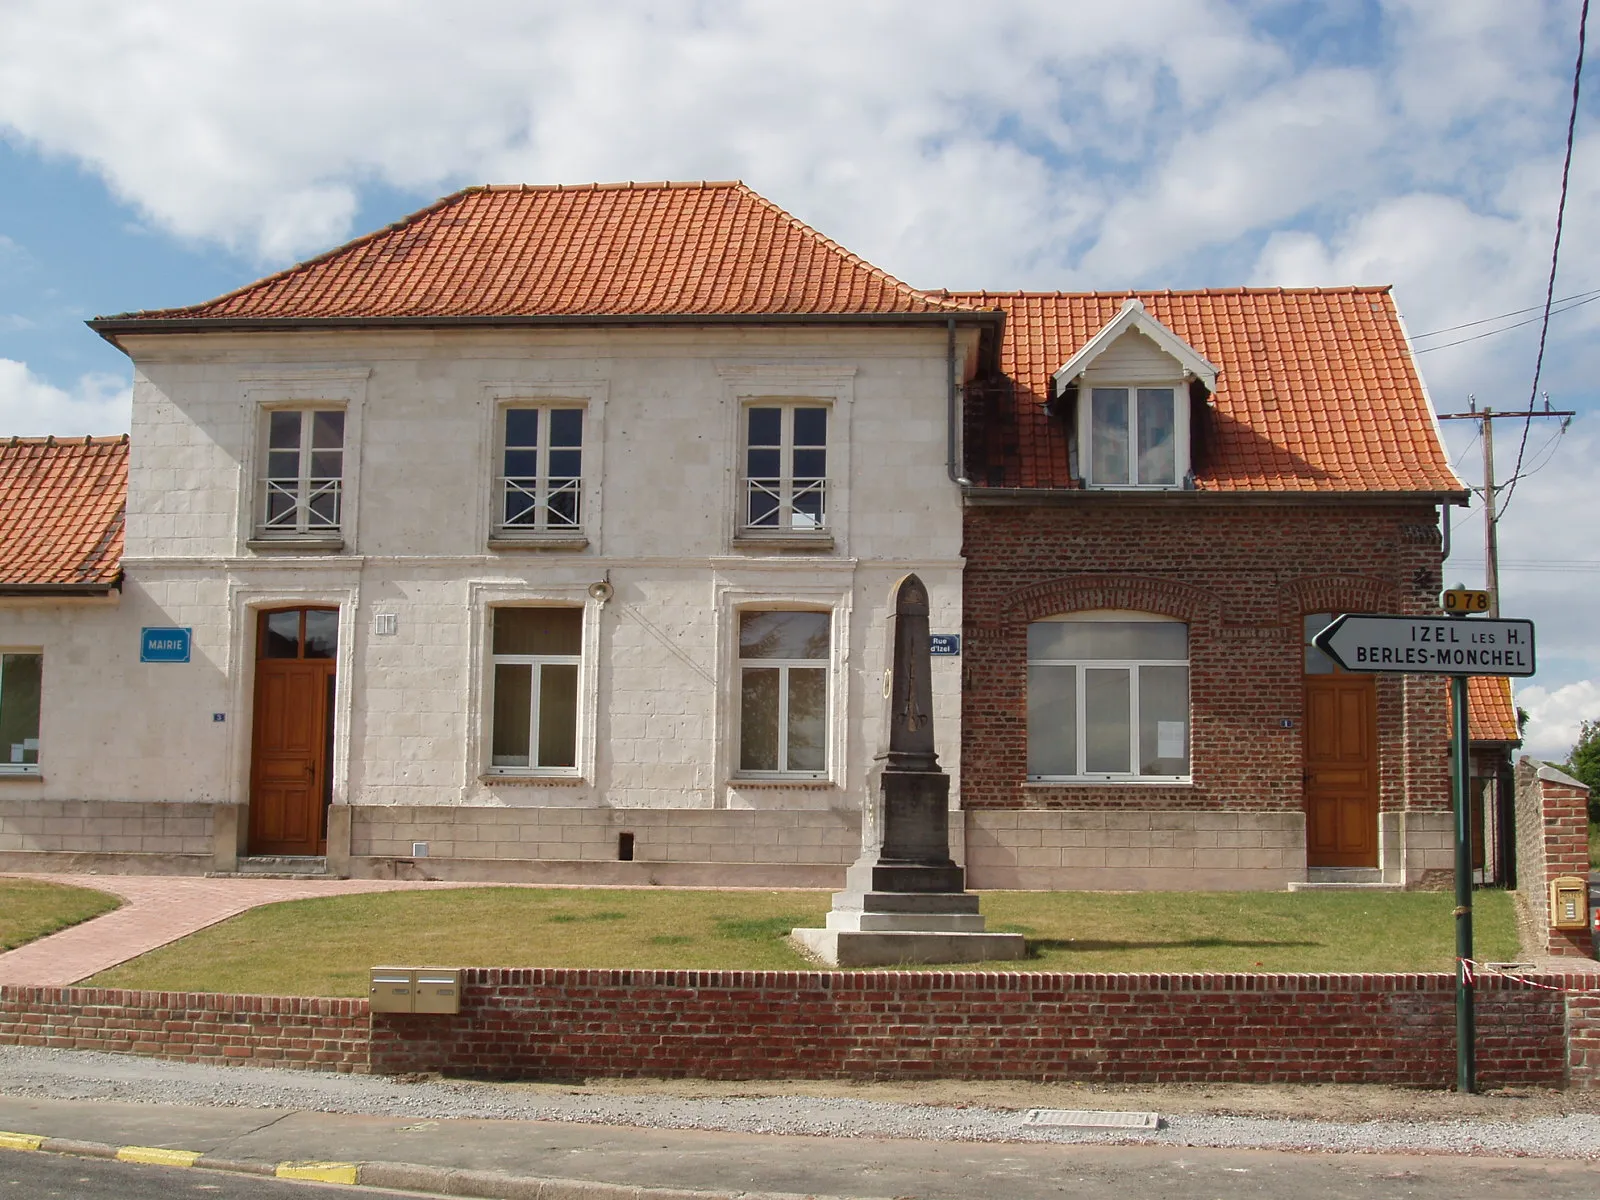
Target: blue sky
(165, 152)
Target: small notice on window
(1169, 739)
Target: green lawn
(30, 909)
(325, 947)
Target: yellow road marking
(158, 1155)
(322, 1172)
(19, 1141)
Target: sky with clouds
(161, 153)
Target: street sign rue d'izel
(1429, 645)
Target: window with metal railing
(540, 484)
(302, 483)
(786, 468)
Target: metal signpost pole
(1466, 1033)
(1378, 644)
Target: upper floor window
(19, 712)
(536, 655)
(1108, 697)
(302, 484)
(786, 468)
(1134, 437)
(541, 470)
(783, 692)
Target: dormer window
(1133, 437)
(1131, 386)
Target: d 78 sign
(1429, 645)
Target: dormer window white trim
(1134, 316)
(1134, 436)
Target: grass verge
(31, 909)
(324, 947)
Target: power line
(1502, 316)
(1489, 333)
(1555, 256)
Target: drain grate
(1086, 1118)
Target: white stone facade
(416, 580)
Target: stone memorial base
(883, 929)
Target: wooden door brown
(1341, 771)
(292, 741)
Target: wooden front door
(291, 755)
(1341, 771)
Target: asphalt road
(1078, 1173)
(47, 1176)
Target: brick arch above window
(1127, 593)
(1336, 594)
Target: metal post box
(437, 989)
(392, 990)
(1569, 902)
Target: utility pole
(1491, 541)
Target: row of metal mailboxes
(416, 989)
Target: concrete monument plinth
(905, 899)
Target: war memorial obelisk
(905, 899)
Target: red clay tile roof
(1491, 715)
(634, 249)
(1317, 390)
(61, 511)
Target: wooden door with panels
(291, 756)
(1340, 760)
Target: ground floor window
(783, 693)
(536, 656)
(19, 712)
(1108, 697)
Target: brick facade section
(1242, 576)
(201, 1027)
(1552, 840)
(572, 1024)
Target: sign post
(1457, 646)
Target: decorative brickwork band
(1132, 593)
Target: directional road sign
(1429, 645)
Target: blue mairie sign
(164, 644)
(944, 643)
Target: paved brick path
(158, 909)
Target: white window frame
(483, 597)
(815, 586)
(1180, 433)
(826, 665)
(540, 490)
(535, 697)
(786, 492)
(1080, 707)
(305, 492)
(498, 396)
(8, 767)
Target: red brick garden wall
(1242, 576)
(263, 1031)
(570, 1024)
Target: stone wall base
(1134, 850)
(779, 837)
(590, 873)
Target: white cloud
(908, 130)
(30, 407)
(1305, 142)
(1554, 716)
